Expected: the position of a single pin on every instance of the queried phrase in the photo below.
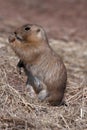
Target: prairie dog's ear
(39, 33)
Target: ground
(15, 101)
(64, 21)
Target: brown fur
(31, 45)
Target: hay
(13, 106)
(19, 111)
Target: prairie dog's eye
(27, 28)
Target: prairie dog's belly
(37, 71)
(46, 72)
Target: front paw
(19, 66)
(42, 95)
(19, 70)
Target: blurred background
(62, 19)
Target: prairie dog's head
(29, 33)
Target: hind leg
(38, 86)
(43, 95)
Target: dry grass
(19, 112)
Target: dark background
(62, 19)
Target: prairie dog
(45, 70)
